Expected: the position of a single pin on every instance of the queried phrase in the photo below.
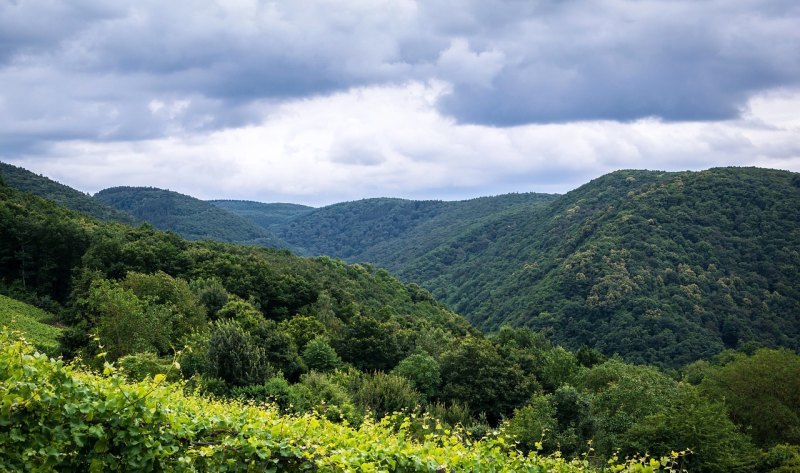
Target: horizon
(92, 194)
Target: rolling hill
(388, 232)
(264, 215)
(26, 181)
(189, 217)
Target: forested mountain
(660, 267)
(189, 217)
(387, 231)
(264, 215)
(26, 181)
(334, 347)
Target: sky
(322, 101)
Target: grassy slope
(32, 322)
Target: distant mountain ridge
(191, 218)
(385, 231)
(264, 215)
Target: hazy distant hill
(387, 231)
(189, 217)
(263, 215)
(26, 181)
(660, 267)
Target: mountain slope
(660, 267)
(387, 231)
(189, 217)
(263, 215)
(26, 181)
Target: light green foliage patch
(30, 321)
(54, 417)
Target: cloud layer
(325, 100)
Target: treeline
(353, 343)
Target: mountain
(26, 181)
(387, 232)
(659, 267)
(264, 215)
(189, 217)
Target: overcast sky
(315, 102)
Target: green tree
(319, 355)
(475, 373)
(762, 393)
(423, 371)
(691, 422)
(125, 323)
(234, 356)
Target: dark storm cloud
(91, 71)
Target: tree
(423, 371)
(319, 355)
(234, 356)
(762, 393)
(125, 323)
(475, 373)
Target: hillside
(33, 323)
(387, 231)
(26, 181)
(348, 342)
(264, 215)
(659, 267)
(189, 217)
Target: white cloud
(392, 141)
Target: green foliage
(55, 418)
(622, 395)
(474, 372)
(32, 322)
(125, 323)
(211, 294)
(533, 426)
(191, 218)
(139, 366)
(26, 181)
(690, 422)
(382, 394)
(423, 371)
(782, 459)
(762, 393)
(319, 355)
(234, 356)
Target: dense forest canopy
(191, 218)
(658, 267)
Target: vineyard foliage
(55, 417)
(31, 321)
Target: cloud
(327, 100)
(393, 141)
(89, 69)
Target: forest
(210, 353)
